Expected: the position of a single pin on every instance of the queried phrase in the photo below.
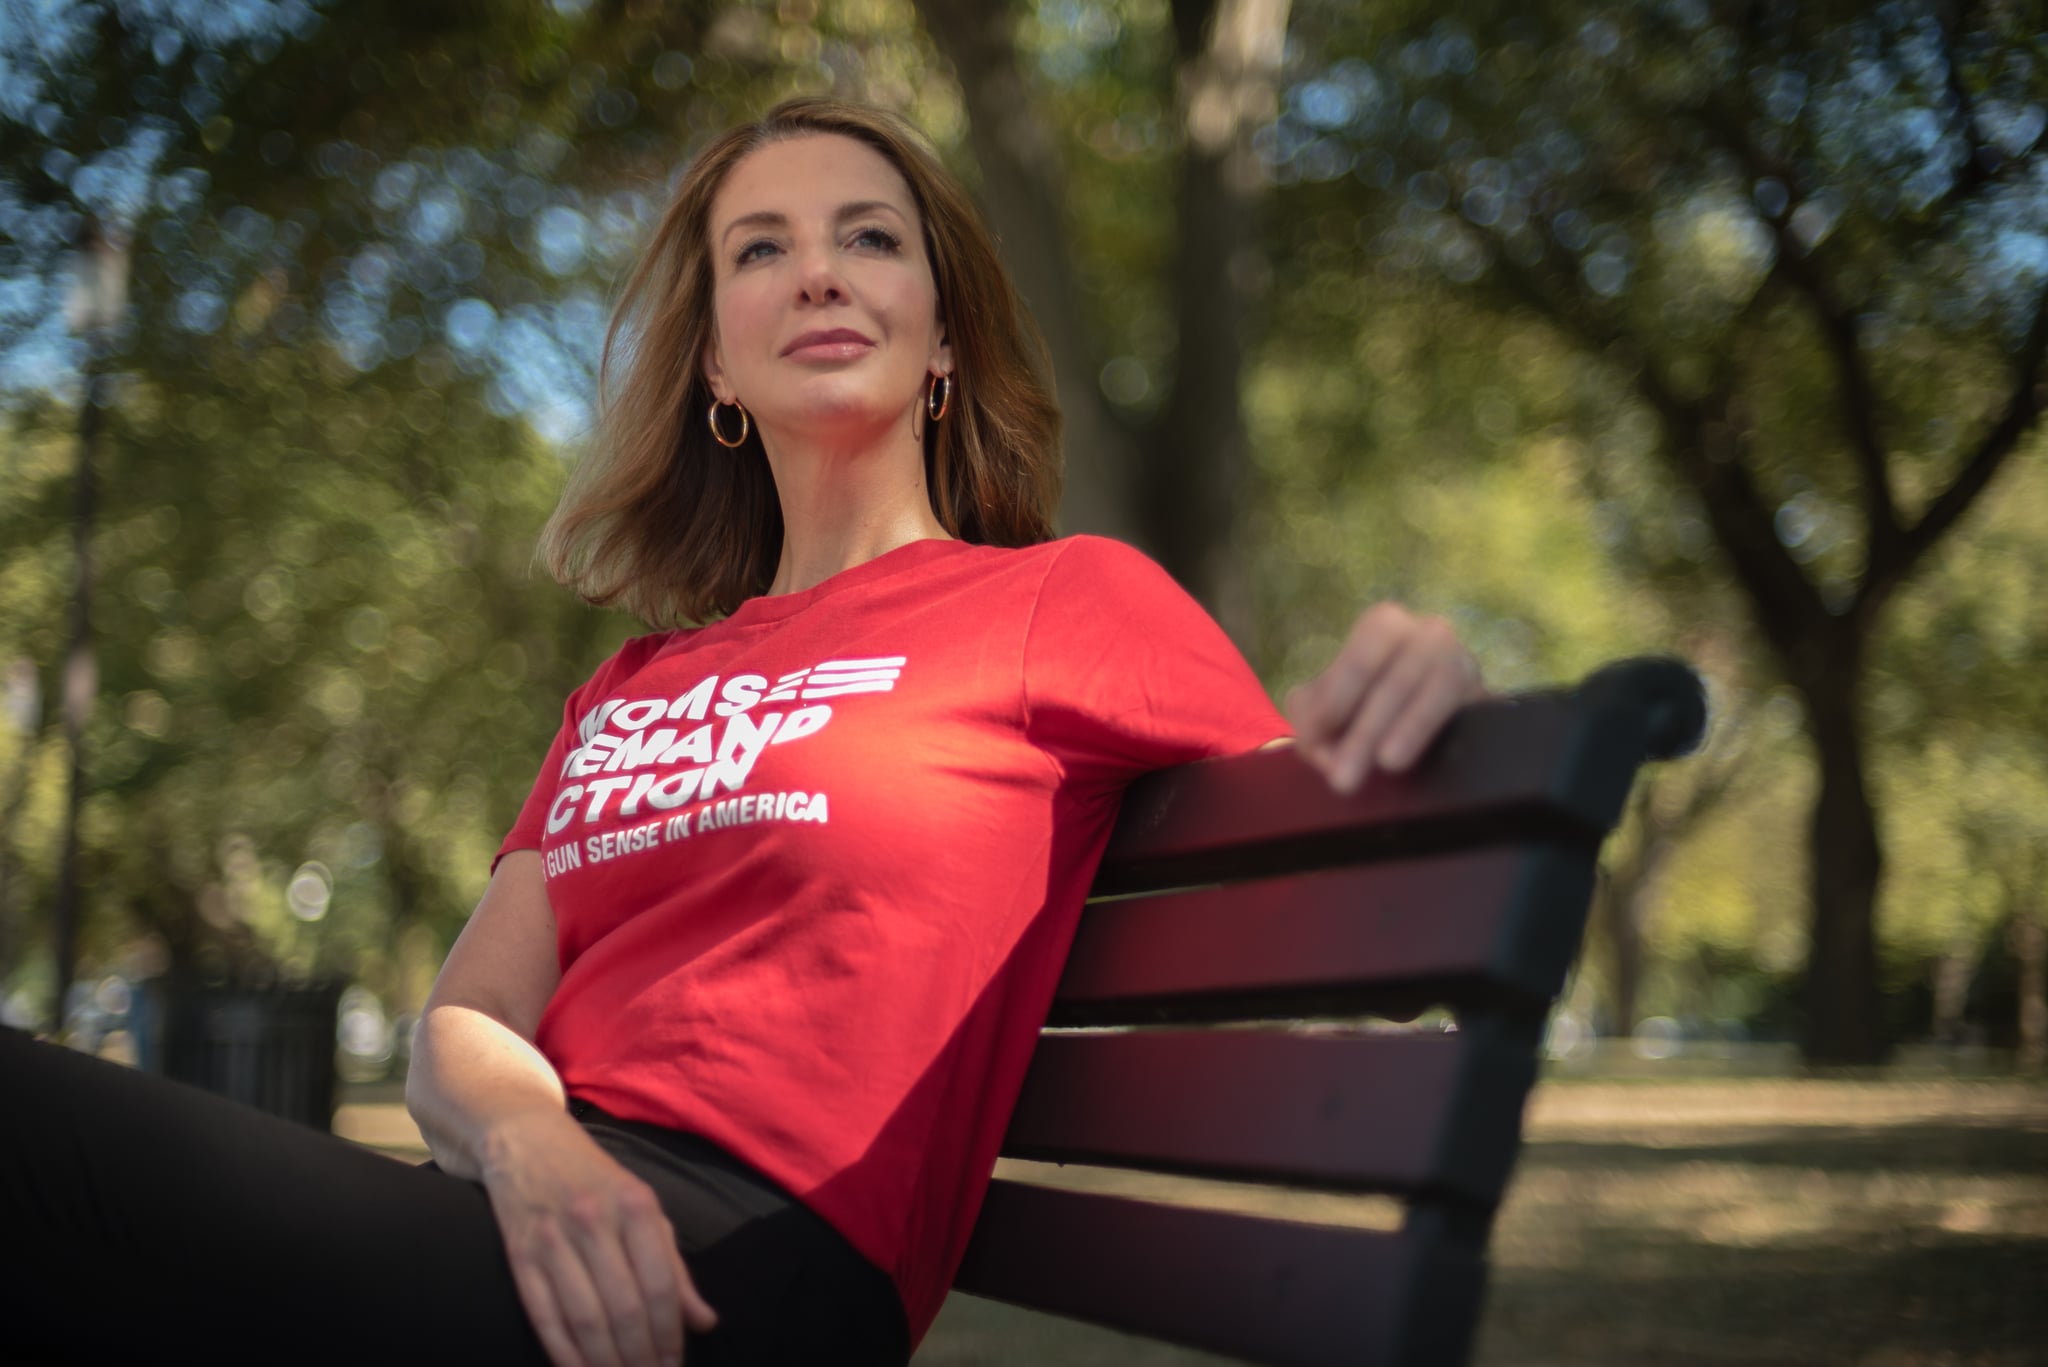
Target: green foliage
(320, 644)
(1517, 249)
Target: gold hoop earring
(938, 396)
(712, 418)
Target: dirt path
(1765, 1223)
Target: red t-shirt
(816, 867)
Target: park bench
(1239, 895)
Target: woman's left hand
(1391, 688)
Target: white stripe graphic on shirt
(835, 677)
(834, 690)
(824, 675)
(887, 662)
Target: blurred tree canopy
(1799, 251)
(1600, 328)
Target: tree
(317, 597)
(1799, 240)
(1167, 467)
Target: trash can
(271, 1047)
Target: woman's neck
(843, 506)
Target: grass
(1771, 1222)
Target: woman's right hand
(592, 1253)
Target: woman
(726, 1049)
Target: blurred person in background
(726, 1050)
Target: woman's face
(825, 309)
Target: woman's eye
(880, 239)
(753, 251)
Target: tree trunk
(80, 689)
(24, 716)
(1192, 468)
(1175, 488)
(1619, 902)
(1821, 653)
(1842, 1016)
(1023, 192)
(2030, 947)
(1952, 976)
(1625, 953)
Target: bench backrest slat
(1381, 1112)
(1314, 1295)
(1444, 927)
(1529, 767)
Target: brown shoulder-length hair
(661, 520)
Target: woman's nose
(818, 278)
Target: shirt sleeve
(530, 825)
(1124, 672)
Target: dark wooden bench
(1241, 893)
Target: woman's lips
(839, 344)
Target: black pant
(144, 1220)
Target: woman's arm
(592, 1253)
(474, 1066)
(1395, 682)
